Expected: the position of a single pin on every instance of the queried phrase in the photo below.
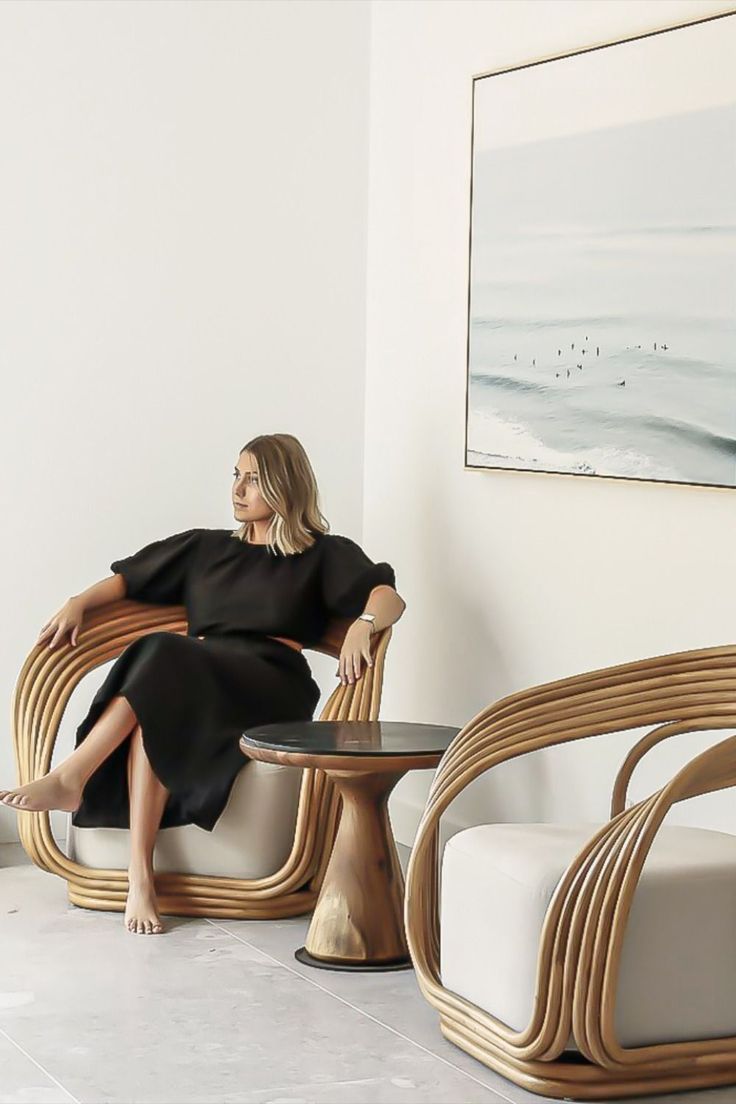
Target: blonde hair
(287, 484)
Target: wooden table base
(358, 921)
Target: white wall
(183, 197)
(182, 223)
(511, 579)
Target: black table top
(378, 738)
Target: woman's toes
(144, 927)
(49, 792)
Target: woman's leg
(62, 787)
(147, 802)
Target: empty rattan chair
(587, 961)
(266, 855)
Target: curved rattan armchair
(585, 923)
(42, 690)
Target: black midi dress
(194, 697)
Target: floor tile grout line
(30, 1058)
(368, 1015)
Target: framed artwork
(602, 273)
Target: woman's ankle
(69, 777)
(140, 870)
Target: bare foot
(53, 791)
(141, 916)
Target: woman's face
(247, 501)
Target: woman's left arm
(387, 606)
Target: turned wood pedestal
(358, 921)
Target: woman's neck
(257, 534)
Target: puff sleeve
(348, 576)
(157, 573)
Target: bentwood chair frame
(42, 690)
(585, 925)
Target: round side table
(358, 920)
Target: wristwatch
(370, 617)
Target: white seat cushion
(252, 837)
(678, 966)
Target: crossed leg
(62, 789)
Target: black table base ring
(303, 955)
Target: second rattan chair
(588, 961)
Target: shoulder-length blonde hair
(287, 484)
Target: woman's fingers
(66, 620)
(59, 636)
(349, 667)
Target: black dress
(193, 698)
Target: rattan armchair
(570, 1046)
(42, 691)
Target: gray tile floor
(212, 1012)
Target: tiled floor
(212, 1012)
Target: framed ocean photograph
(602, 272)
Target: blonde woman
(159, 746)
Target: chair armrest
(49, 675)
(332, 639)
(647, 742)
(597, 932)
(634, 757)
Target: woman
(159, 746)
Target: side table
(358, 920)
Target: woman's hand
(66, 620)
(355, 647)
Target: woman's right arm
(68, 619)
(155, 573)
